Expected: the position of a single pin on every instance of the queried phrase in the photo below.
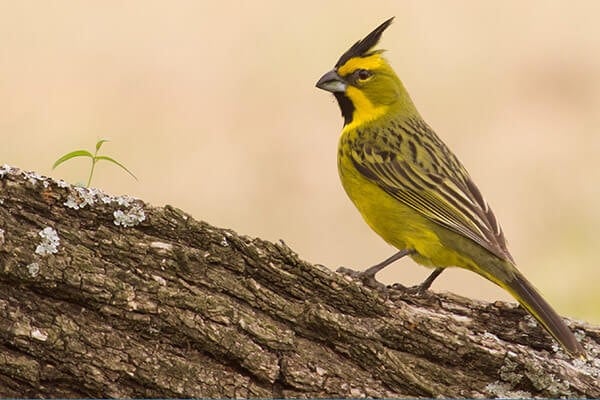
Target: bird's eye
(363, 74)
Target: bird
(412, 190)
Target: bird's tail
(528, 297)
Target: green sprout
(94, 157)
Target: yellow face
(371, 86)
(365, 85)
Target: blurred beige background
(214, 108)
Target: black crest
(361, 48)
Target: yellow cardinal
(412, 190)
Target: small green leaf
(73, 154)
(112, 160)
(99, 144)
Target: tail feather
(533, 302)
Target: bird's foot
(421, 288)
(366, 278)
(416, 290)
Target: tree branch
(105, 296)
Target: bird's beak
(332, 82)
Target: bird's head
(363, 82)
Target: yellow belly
(398, 224)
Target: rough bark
(145, 301)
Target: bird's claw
(366, 279)
(369, 280)
(416, 290)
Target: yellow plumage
(412, 190)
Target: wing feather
(444, 193)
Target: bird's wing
(448, 198)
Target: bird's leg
(427, 282)
(378, 267)
(368, 276)
(422, 287)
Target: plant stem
(91, 172)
